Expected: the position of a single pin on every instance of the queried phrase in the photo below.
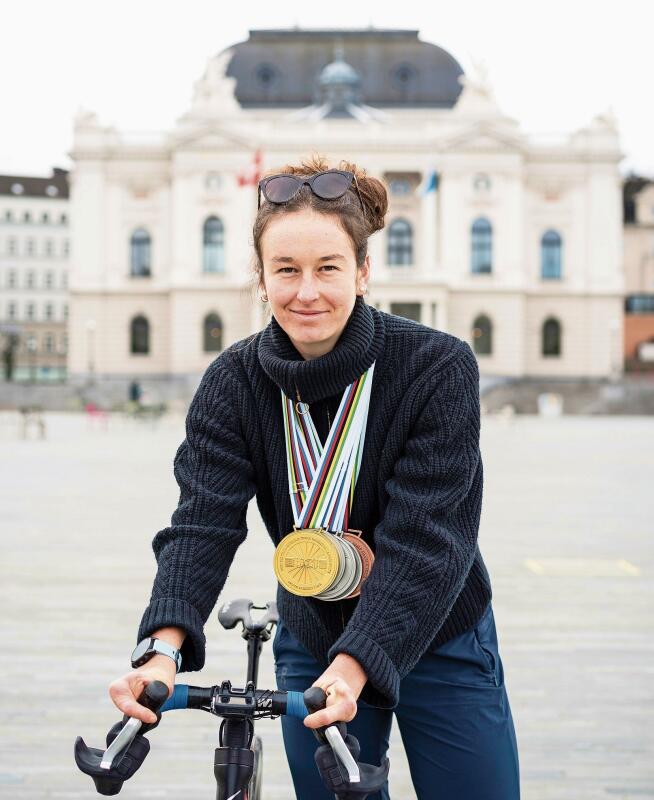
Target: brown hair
(358, 224)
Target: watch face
(140, 650)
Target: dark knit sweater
(417, 499)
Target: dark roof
(279, 68)
(37, 187)
(631, 185)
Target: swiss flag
(251, 175)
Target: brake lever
(127, 747)
(121, 742)
(316, 699)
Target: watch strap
(159, 646)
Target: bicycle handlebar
(127, 747)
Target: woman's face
(310, 277)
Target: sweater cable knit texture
(417, 500)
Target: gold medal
(306, 561)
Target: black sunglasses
(328, 185)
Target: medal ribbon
(322, 479)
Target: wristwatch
(149, 647)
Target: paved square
(567, 529)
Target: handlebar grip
(153, 697)
(315, 699)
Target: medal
(320, 557)
(307, 561)
(365, 554)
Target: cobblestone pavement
(566, 532)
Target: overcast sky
(553, 66)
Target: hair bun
(374, 194)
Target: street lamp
(31, 349)
(90, 347)
(614, 345)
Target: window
(30, 279)
(9, 217)
(45, 217)
(213, 245)
(64, 311)
(64, 280)
(30, 343)
(30, 247)
(551, 337)
(400, 243)
(265, 73)
(49, 311)
(64, 343)
(49, 249)
(140, 253)
(213, 333)
(48, 342)
(482, 336)
(65, 247)
(12, 246)
(30, 312)
(11, 311)
(550, 255)
(11, 279)
(139, 336)
(27, 217)
(63, 219)
(406, 310)
(49, 279)
(481, 246)
(639, 304)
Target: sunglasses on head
(328, 185)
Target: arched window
(213, 245)
(139, 335)
(551, 337)
(213, 333)
(400, 243)
(550, 255)
(482, 336)
(140, 253)
(481, 246)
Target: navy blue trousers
(453, 714)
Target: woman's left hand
(343, 682)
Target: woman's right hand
(124, 691)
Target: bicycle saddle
(234, 611)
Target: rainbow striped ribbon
(318, 476)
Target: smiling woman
(394, 484)
(310, 246)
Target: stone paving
(567, 528)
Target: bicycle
(238, 761)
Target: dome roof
(388, 68)
(339, 72)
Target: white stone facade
(486, 168)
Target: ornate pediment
(483, 137)
(209, 137)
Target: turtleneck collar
(360, 343)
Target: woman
(416, 636)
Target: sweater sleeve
(216, 482)
(425, 542)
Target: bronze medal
(366, 555)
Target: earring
(263, 299)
